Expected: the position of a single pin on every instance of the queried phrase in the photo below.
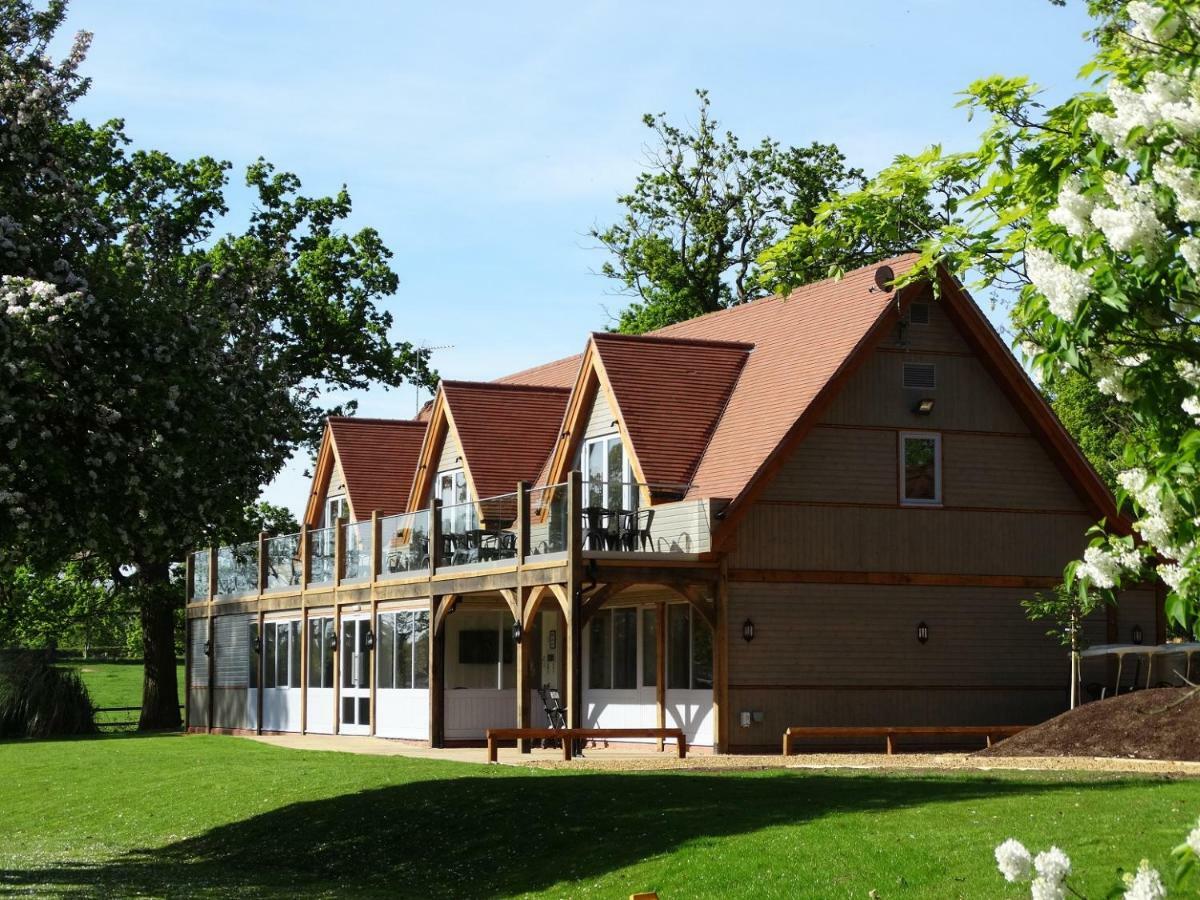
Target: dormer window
(457, 514)
(607, 475)
(336, 508)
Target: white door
(356, 676)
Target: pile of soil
(1163, 723)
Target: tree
(74, 606)
(1101, 425)
(156, 374)
(698, 219)
(1067, 609)
(1089, 210)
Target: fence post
(522, 522)
(435, 536)
(305, 557)
(262, 562)
(212, 573)
(376, 551)
(339, 550)
(189, 573)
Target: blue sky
(483, 140)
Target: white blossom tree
(1088, 211)
(153, 376)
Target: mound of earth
(1163, 723)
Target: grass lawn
(209, 815)
(116, 683)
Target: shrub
(39, 700)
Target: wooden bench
(568, 736)
(890, 732)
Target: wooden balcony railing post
(212, 573)
(574, 586)
(522, 522)
(339, 550)
(305, 556)
(262, 562)
(435, 536)
(189, 573)
(376, 553)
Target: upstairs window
(458, 514)
(607, 475)
(920, 468)
(336, 508)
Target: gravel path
(595, 759)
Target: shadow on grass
(486, 835)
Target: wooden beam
(258, 660)
(371, 662)
(923, 579)
(524, 713)
(660, 666)
(573, 656)
(448, 602)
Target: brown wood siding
(1003, 472)
(449, 458)
(939, 335)
(839, 465)
(907, 539)
(965, 398)
(600, 418)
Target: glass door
(608, 492)
(356, 676)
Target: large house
(819, 509)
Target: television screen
(479, 647)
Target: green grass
(206, 815)
(116, 683)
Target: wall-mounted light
(924, 406)
(208, 647)
(369, 639)
(333, 642)
(518, 631)
(922, 632)
(1136, 635)
(747, 631)
(257, 644)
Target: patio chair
(595, 531)
(639, 536)
(506, 545)
(556, 715)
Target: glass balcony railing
(285, 567)
(404, 544)
(237, 570)
(356, 545)
(200, 575)
(617, 518)
(321, 557)
(548, 520)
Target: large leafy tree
(697, 220)
(154, 374)
(1089, 209)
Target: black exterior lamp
(208, 647)
(1135, 634)
(258, 643)
(333, 641)
(518, 631)
(922, 632)
(748, 631)
(369, 639)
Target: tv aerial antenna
(426, 348)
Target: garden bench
(890, 732)
(569, 735)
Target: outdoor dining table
(1150, 651)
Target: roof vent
(918, 314)
(884, 276)
(921, 376)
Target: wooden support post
(524, 657)
(188, 662)
(211, 651)
(305, 662)
(262, 562)
(573, 655)
(660, 667)
(188, 590)
(376, 554)
(209, 643)
(371, 662)
(258, 658)
(337, 667)
(339, 550)
(212, 573)
(437, 669)
(435, 537)
(890, 745)
(721, 717)
(522, 522)
(305, 556)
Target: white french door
(355, 712)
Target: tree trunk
(160, 687)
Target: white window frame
(629, 491)
(334, 505)
(301, 634)
(458, 478)
(936, 437)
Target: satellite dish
(884, 276)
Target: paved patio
(636, 759)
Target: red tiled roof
(560, 373)
(505, 431)
(379, 459)
(670, 393)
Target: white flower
(1041, 889)
(1133, 223)
(1147, 22)
(1053, 865)
(1191, 406)
(1101, 570)
(1189, 249)
(1074, 210)
(1174, 574)
(1014, 861)
(1184, 185)
(1063, 287)
(1145, 885)
(1193, 840)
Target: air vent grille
(920, 375)
(918, 314)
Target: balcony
(540, 528)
